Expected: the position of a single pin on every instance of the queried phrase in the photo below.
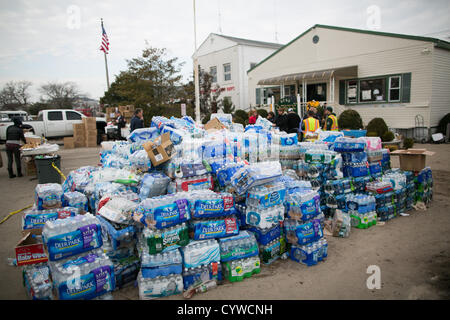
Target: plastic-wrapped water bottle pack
(75, 199)
(84, 276)
(48, 195)
(37, 281)
(71, 236)
(34, 219)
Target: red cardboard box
(30, 251)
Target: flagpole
(106, 63)
(196, 82)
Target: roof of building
(438, 42)
(249, 42)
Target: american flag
(105, 42)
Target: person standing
(293, 121)
(310, 124)
(281, 120)
(253, 117)
(120, 122)
(331, 122)
(14, 135)
(137, 122)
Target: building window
(386, 88)
(372, 90)
(394, 88)
(227, 71)
(213, 73)
(352, 91)
(252, 65)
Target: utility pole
(196, 75)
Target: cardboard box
(80, 144)
(90, 133)
(79, 138)
(78, 129)
(69, 143)
(412, 159)
(30, 251)
(90, 123)
(128, 114)
(29, 166)
(160, 150)
(91, 141)
(214, 124)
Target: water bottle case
(95, 283)
(264, 236)
(166, 239)
(117, 237)
(222, 205)
(162, 271)
(126, 271)
(238, 252)
(243, 268)
(83, 239)
(213, 271)
(309, 232)
(270, 252)
(36, 219)
(264, 218)
(262, 200)
(165, 216)
(213, 228)
(198, 253)
(159, 287)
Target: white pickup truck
(53, 123)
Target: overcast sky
(49, 41)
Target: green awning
(350, 71)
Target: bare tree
(15, 95)
(60, 95)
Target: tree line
(15, 95)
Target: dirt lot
(413, 252)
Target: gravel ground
(412, 252)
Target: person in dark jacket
(121, 123)
(281, 120)
(271, 116)
(293, 121)
(137, 121)
(14, 135)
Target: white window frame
(214, 79)
(346, 92)
(225, 73)
(395, 88)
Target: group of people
(137, 122)
(290, 121)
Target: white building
(228, 59)
(400, 78)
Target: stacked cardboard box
(79, 135)
(90, 126)
(111, 113)
(127, 112)
(69, 143)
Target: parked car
(53, 123)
